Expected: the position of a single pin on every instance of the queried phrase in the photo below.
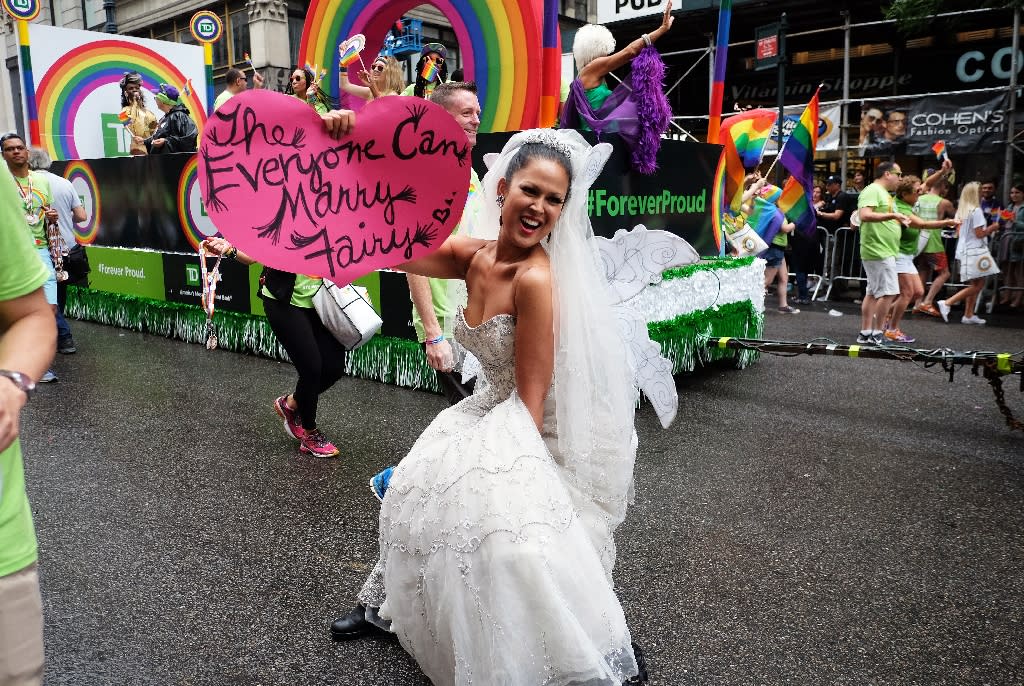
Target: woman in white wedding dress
(496, 546)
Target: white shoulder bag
(347, 313)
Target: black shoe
(641, 666)
(66, 346)
(354, 625)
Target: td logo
(21, 5)
(116, 138)
(192, 275)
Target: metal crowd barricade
(1004, 248)
(824, 240)
(845, 264)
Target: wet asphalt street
(805, 521)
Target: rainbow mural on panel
(500, 41)
(65, 86)
(83, 180)
(195, 224)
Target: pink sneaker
(290, 417)
(316, 444)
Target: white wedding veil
(593, 388)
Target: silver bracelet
(647, 39)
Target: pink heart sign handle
(295, 199)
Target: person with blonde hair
(976, 262)
(384, 77)
(637, 109)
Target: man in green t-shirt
(433, 309)
(36, 202)
(28, 335)
(879, 245)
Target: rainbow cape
(797, 157)
(765, 219)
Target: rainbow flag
(123, 117)
(718, 86)
(187, 90)
(1007, 215)
(429, 71)
(730, 176)
(350, 54)
(795, 203)
(750, 132)
(797, 157)
(940, 150)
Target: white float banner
(78, 102)
(828, 128)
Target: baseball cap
(167, 93)
(434, 47)
(833, 179)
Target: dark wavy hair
(135, 78)
(321, 96)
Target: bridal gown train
(493, 569)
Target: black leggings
(317, 355)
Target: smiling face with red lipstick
(533, 197)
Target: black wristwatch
(20, 380)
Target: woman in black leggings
(318, 357)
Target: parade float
(146, 216)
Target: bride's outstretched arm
(535, 340)
(450, 261)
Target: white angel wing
(635, 259)
(653, 373)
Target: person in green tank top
(908, 190)
(933, 262)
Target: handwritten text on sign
(282, 190)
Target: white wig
(591, 41)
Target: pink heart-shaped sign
(293, 198)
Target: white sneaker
(943, 310)
(973, 319)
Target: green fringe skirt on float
(714, 298)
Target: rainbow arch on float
(505, 45)
(65, 86)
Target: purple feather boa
(637, 110)
(653, 110)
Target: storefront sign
(971, 123)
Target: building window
(295, 23)
(239, 28)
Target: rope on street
(993, 365)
